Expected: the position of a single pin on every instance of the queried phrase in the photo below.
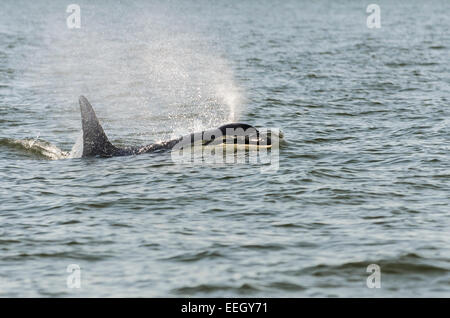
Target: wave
(35, 147)
(244, 289)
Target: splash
(35, 147)
(147, 77)
(77, 149)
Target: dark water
(363, 178)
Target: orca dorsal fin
(95, 142)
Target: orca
(96, 143)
